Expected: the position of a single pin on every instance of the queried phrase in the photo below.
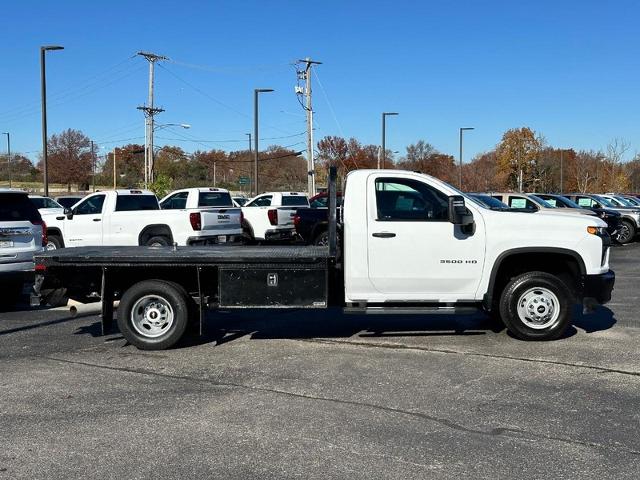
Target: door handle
(384, 234)
(97, 219)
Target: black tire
(131, 308)
(54, 242)
(56, 297)
(627, 231)
(531, 290)
(322, 239)
(194, 310)
(158, 241)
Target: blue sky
(568, 69)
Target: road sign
(243, 180)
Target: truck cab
(402, 245)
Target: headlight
(599, 231)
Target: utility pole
(114, 167)
(93, 168)
(8, 155)
(305, 75)
(561, 175)
(150, 111)
(249, 141)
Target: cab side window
(402, 199)
(261, 202)
(177, 201)
(91, 206)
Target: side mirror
(458, 212)
(69, 213)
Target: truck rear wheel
(153, 314)
(158, 241)
(536, 306)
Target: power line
(230, 69)
(238, 140)
(333, 113)
(213, 99)
(67, 92)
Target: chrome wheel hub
(152, 316)
(538, 308)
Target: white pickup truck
(270, 216)
(133, 217)
(210, 207)
(411, 245)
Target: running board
(430, 310)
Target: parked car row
(621, 212)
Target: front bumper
(598, 287)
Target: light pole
(383, 153)
(8, 155)
(249, 135)
(43, 89)
(462, 129)
(256, 92)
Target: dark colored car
(629, 222)
(68, 201)
(312, 223)
(612, 218)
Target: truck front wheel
(536, 306)
(627, 231)
(153, 315)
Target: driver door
(414, 252)
(85, 227)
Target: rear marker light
(273, 217)
(196, 220)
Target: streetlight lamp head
(52, 47)
(185, 125)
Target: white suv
(22, 234)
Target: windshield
(606, 202)
(541, 201)
(489, 201)
(44, 202)
(560, 201)
(624, 201)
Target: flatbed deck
(183, 256)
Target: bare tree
(616, 149)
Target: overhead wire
(215, 100)
(326, 97)
(68, 91)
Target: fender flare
(488, 296)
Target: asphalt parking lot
(314, 395)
